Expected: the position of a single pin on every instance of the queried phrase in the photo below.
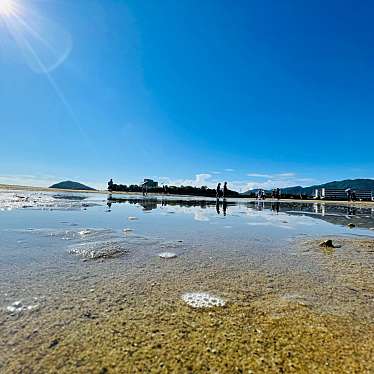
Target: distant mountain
(355, 184)
(70, 185)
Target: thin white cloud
(268, 182)
(229, 169)
(277, 175)
(285, 175)
(200, 180)
(42, 180)
(28, 180)
(258, 175)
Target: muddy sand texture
(286, 322)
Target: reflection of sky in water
(36, 241)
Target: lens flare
(7, 7)
(39, 41)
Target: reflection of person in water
(109, 204)
(224, 206)
(217, 206)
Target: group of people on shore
(275, 194)
(221, 192)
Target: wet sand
(313, 311)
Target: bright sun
(7, 7)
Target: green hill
(355, 184)
(70, 185)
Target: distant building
(341, 194)
(150, 183)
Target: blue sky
(259, 93)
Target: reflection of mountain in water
(336, 214)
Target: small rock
(327, 243)
(351, 225)
(53, 343)
(132, 218)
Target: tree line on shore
(173, 190)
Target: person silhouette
(110, 185)
(218, 191)
(225, 189)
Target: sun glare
(7, 7)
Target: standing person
(110, 185)
(144, 189)
(225, 189)
(348, 191)
(218, 191)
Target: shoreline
(357, 204)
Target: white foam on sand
(167, 255)
(202, 300)
(37, 200)
(19, 307)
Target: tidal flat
(86, 287)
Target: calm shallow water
(74, 263)
(40, 233)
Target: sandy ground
(278, 321)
